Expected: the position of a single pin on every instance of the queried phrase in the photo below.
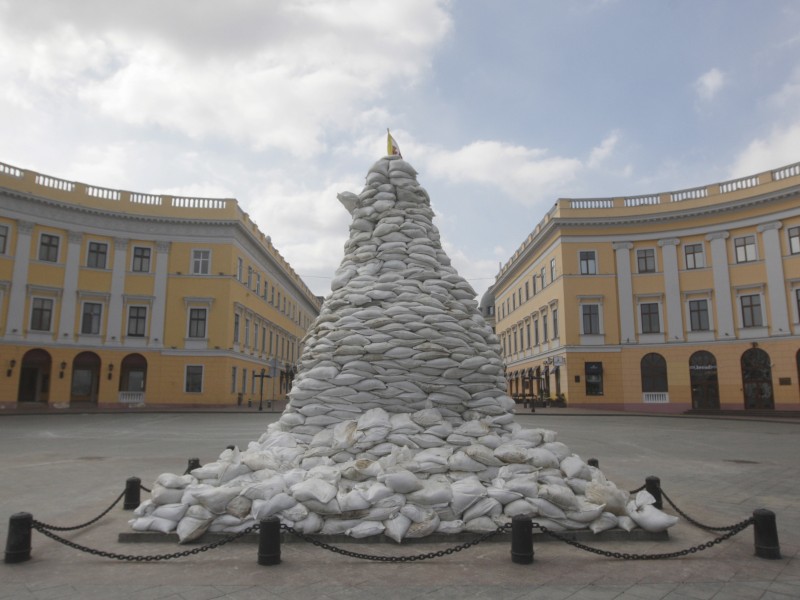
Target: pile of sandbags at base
(468, 487)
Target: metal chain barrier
(144, 489)
(140, 558)
(739, 527)
(693, 521)
(637, 490)
(39, 524)
(405, 558)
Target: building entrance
(703, 376)
(34, 377)
(85, 378)
(757, 380)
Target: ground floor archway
(85, 382)
(704, 381)
(757, 380)
(34, 376)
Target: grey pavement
(67, 468)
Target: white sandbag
(151, 523)
(265, 489)
(502, 495)
(194, 524)
(483, 507)
(604, 522)
(532, 436)
(209, 471)
(169, 480)
(224, 523)
(261, 509)
(311, 524)
(480, 525)
(483, 454)
(338, 526)
(314, 489)
(460, 461)
(378, 491)
(450, 527)
(561, 496)
(625, 522)
(399, 480)
(542, 458)
(423, 528)
(607, 493)
(216, 499)
(586, 512)
(561, 450)
(298, 512)
(526, 485)
(171, 512)
(163, 495)
(325, 472)
(323, 508)
(577, 485)
(519, 507)
(416, 513)
(547, 509)
(239, 506)
(432, 492)
(144, 509)
(511, 453)
(465, 493)
(352, 500)
(648, 517)
(366, 529)
(573, 466)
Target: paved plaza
(66, 469)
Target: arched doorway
(34, 376)
(704, 382)
(757, 380)
(132, 378)
(655, 387)
(85, 378)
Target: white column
(722, 285)
(69, 297)
(776, 288)
(114, 331)
(627, 327)
(160, 295)
(15, 324)
(672, 289)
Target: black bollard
(522, 540)
(593, 462)
(18, 542)
(765, 532)
(269, 541)
(653, 485)
(194, 463)
(133, 487)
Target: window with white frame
(751, 310)
(745, 248)
(587, 260)
(544, 327)
(249, 277)
(541, 277)
(236, 319)
(794, 240)
(137, 321)
(239, 269)
(194, 378)
(528, 334)
(246, 332)
(649, 317)
(535, 331)
(698, 315)
(3, 239)
(797, 302)
(552, 270)
(201, 262)
(91, 318)
(554, 312)
(197, 322)
(258, 284)
(646, 260)
(527, 291)
(695, 258)
(141, 259)
(234, 378)
(48, 247)
(97, 255)
(590, 319)
(41, 314)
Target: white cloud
(709, 84)
(527, 175)
(604, 150)
(780, 147)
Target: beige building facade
(111, 298)
(665, 302)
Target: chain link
(405, 558)
(691, 520)
(144, 488)
(626, 556)
(142, 558)
(637, 490)
(82, 525)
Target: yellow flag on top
(391, 146)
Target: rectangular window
(98, 252)
(194, 378)
(141, 260)
(201, 262)
(246, 332)
(535, 289)
(239, 269)
(255, 337)
(745, 248)
(235, 328)
(650, 318)
(137, 321)
(258, 284)
(593, 374)
(541, 277)
(514, 338)
(41, 314)
(528, 335)
(263, 339)
(552, 270)
(751, 311)
(92, 313)
(3, 239)
(513, 302)
(555, 323)
(536, 332)
(646, 260)
(544, 327)
(590, 315)
(271, 344)
(698, 315)
(197, 322)
(527, 291)
(588, 262)
(794, 240)
(48, 247)
(249, 277)
(244, 380)
(695, 259)
(234, 379)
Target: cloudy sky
(503, 106)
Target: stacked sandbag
(398, 421)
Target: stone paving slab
(66, 471)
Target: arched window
(654, 373)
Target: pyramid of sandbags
(398, 421)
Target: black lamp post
(261, 399)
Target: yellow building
(111, 298)
(666, 302)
